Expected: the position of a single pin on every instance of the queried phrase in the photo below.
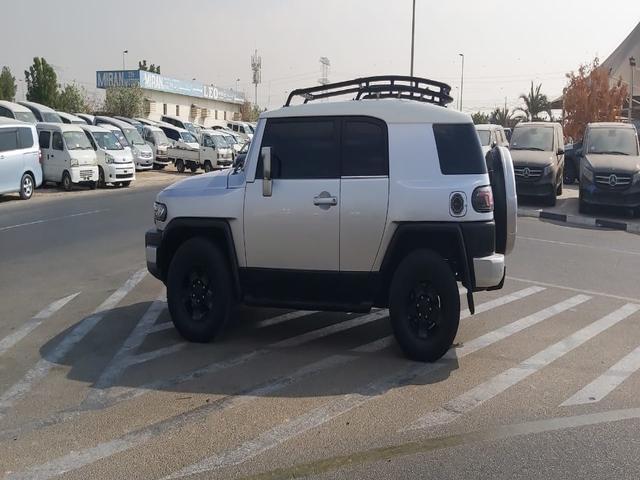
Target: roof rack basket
(384, 86)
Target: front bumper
(88, 173)
(120, 173)
(627, 198)
(144, 163)
(152, 241)
(489, 271)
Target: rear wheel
(424, 306)
(66, 182)
(207, 166)
(180, 165)
(27, 186)
(199, 293)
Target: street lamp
(124, 52)
(237, 83)
(461, 80)
(413, 33)
(632, 64)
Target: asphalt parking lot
(95, 382)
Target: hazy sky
(506, 43)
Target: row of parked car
(39, 145)
(606, 163)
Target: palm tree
(535, 103)
(504, 117)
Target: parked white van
(70, 118)
(178, 122)
(20, 169)
(215, 151)
(42, 112)
(118, 134)
(142, 153)
(115, 163)
(16, 111)
(243, 128)
(67, 155)
(159, 143)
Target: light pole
(413, 33)
(632, 64)
(124, 52)
(237, 83)
(461, 80)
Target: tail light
(482, 199)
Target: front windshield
(159, 138)
(219, 141)
(485, 137)
(107, 141)
(188, 138)
(118, 134)
(76, 141)
(231, 140)
(532, 138)
(614, 141)
(28, 117)
(133, 137)
(191, 127)
(51, 117)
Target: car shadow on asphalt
(245, 357)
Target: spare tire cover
(503, 184)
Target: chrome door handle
(325, 201)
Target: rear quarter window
(459, 150)
(25, 137)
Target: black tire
(93, 185)
(424, 276)
(66, 182)
(583, 207)
(180, 165)
(27, 186)
(552, 199)
(126, 184)
(199, 292)
(193, 168)
(157, 166)
(559, 188)
(101, 181)
(207, 166)
(569, 174)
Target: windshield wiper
(612, 152)
(537, 149)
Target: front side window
(44, 138)
(76, 141)
(25, 137)
(188, 138)
(532, 138)
(459, 150)
(364, 148)
(8, 139)
(302, 148)
(132, 136)
(485, 137)
(612, 141)
(57, 143)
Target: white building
(190, 100)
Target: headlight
(135, 151)
(159, 211)
(547, 170)
(109, 159)
(587, 173)
(636, 177)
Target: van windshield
(76, 141)
(51, 117)
(28, 117)
(191, 127)
(188, 138)
(107, 141)
(612, 141)
(133, 137)
(532, 138)
(219, 141)
(160, 138)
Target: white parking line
(475, 397)
(10, 340)
(608, 381)
(284, 318)
(46, 220)
(504, 300)
(41, 369)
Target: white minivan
(20, 169)
(159, 143)
(42, 112)
(67, 155)
(16, 112)
(142, 153)
(115, 163)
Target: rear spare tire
(505, 200)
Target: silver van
(16, 111)
(42, 112)
(20, 169)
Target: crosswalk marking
(10, 340)
(41, 369)
(607, 382)
(504, 300)
(475, 397)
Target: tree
(72, 99)
(142, 65)
(535, 103)
(479, 118)
(7, 85)
(504, 117)
(591, 96)
(42, 82)
(125, 101)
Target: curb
(579, 220)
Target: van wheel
(552, 198)
(101, 181)
(559, 189)
(126, 184)
(199, 292)
(193, 168)
(66, 182)
(26, 186)
(180, 166)
(207, 166)
(569, 173)
(424, 306)
(93, 185)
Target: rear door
(58, 157)
(10, 160)
(364, 191)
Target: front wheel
(126, 184)
(66, 182)
(569, 175)
(180, 165)
(559, 187)
(199, 293)
(193, 168)
(424, 306)
(207, 166)
(102, 183)
(26, 186)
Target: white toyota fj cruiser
(384, 200)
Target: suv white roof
(15, 107)
(389, 110)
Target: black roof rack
(384, 86)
